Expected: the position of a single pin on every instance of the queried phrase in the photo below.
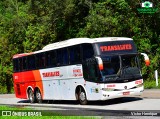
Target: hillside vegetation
(29, 25)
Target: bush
(151, 84)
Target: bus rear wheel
(31, 96)
(38, 96)
(82, 97)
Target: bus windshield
(120, 67)
(129, 61)
(111, 65)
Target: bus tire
(82, 97)
(31, 96)
(38, 96)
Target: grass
(26, 110)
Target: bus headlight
(140, 85)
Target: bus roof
(76, 41)
(73, 41)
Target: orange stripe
(38, 80)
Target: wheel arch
(27, 91)
(34, 90)
(37, 88)
(77, 90)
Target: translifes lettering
(51, 74)
(116, 47)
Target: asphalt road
(147, 104)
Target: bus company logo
(77, 72)
(147, 7)
(51, 74)
(116, 47)
(6, 113)
(125, 87)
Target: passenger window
(51, 59)
(75, 54)
(16, 65)
(40, 60)
(88, 51)
(62, 57)
(65, 57)
(31, 62)
(24, 63)
(20, 64)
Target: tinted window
(90, 70)
(111, 65)
(65, 57)
(20, 64)
(24, 63)
(62, 57)
(15, 65)
(129, 61)
(31, 62)
(51, 59)
(40, 60)
(88, 51)
(75, 54)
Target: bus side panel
(75, 78)
(93, 90)
(60, 83)
(51, 81)
(38, 81)
(21, 81)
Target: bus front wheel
(82, 97)
(31, 96)
(38, 96)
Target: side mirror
(100, 63)
(146, 59)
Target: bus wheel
(38, 96)
(82, 97)
(31, 96)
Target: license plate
(126, 93)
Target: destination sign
(115, 47)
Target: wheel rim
(38, 96)
(31, 95)
(82, 96)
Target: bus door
(92, 76)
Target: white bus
(79, 69)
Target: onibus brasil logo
(147, 7)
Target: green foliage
(28, 25)
(151, 84)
